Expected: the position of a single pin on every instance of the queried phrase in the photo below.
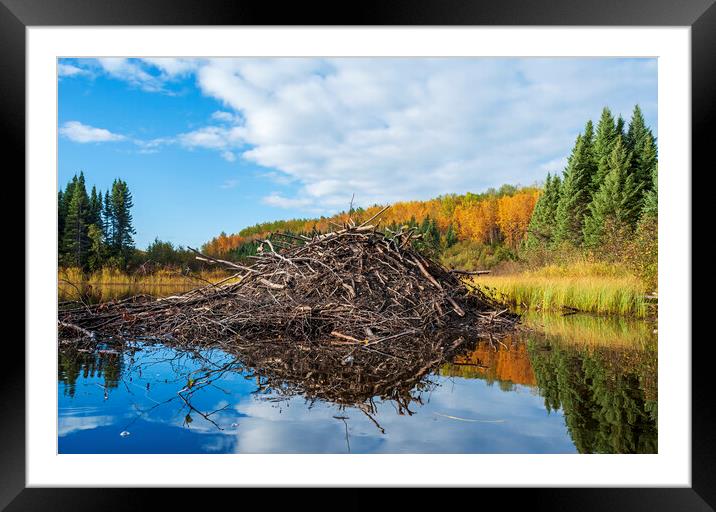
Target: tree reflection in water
(607, 394)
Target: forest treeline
(604, 203)
(95, 231)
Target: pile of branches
(352, 376)
(356, 286)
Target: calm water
(578, 384)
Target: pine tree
(620, 124)
(75, 240)
(638, 130)
(645, 162)
(651, 198)
(61, 214)
(122, 230)
(641, 143)
(63, 205)
(107, 220)
(94, 215)
(541, 228)
(95, 247)
(604, 141)
(575, 194)
(616, 203)
(450, 237)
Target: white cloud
(172, 67)
(131, 71)
(213, 137)
(225, 117)
(70, 70)
(78, 132)
(228, 156)
(280, 201)
(392, 129)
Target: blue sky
(211, 145)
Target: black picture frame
(700, 15)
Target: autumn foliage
(495, 216)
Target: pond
(573, 384)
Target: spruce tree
(638, 130)
(575, 194)
(63, 205)
(604, 141)
(651, 198)
(122, 230)
(641, 143)
(61, 214)
(541, 227)
(620, 124)
(95, 247)
(616, 203)
(645, 162)
(75, 240)
(450, 237)
(94, 215)
(107, 220)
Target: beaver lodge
(340, 307)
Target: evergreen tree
(75, 239)
(63, 205)
(122, 230)
(542, 224)
(61, 214)
(96, 253)
(107, 219)
(450, 237)
(641, 143)
(604, 141)
(94, 215)
(617, 202)
(637, 132)
(651, 198)
(620, 127)
(575, 194)
(644, 163)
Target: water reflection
(532, 392)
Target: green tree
(75, 241)
(616, 204)
(605, 138)
(640, 141)
(450, 238)
(63, 205)
(541, 227)
(122, 242)
(575, 192)
(107, 219)
(162, 253)
(644, 165)
(651, 198)
(94, 215)
(96, 252)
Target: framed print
(297, 249)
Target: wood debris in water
(356, 288)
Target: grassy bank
(589, 287)
(108, 284)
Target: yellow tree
(514, 214)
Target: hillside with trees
(604, 204)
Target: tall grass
(107, 284)
(583, 286)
